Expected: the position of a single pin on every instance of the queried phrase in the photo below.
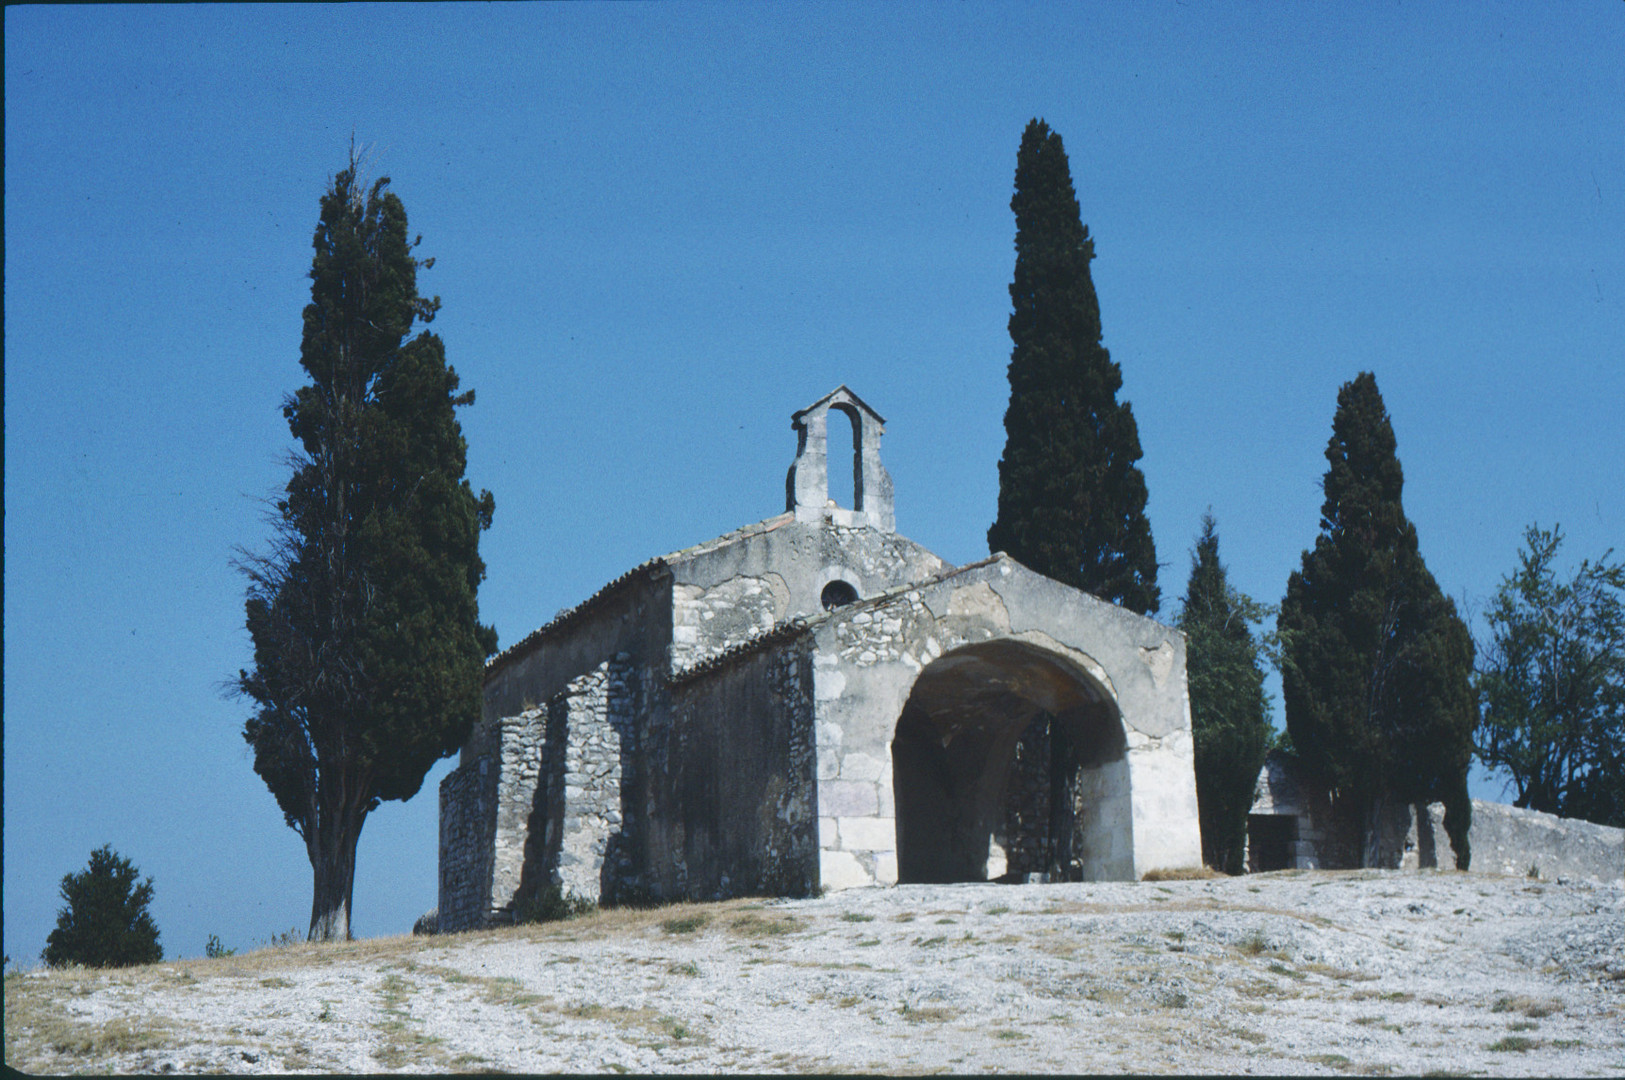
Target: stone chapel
(814, 702)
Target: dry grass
(1188, 873)
(1534, 1008)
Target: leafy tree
(106, 922)
(1376, 665)
(368, 652)
(1552, 684)
(1071, 499)
(1229, 706)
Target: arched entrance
(1008, 760)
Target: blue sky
(659, 230)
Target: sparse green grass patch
(755, 926)
(1513, 1043)
(857, 916)
(685, 924)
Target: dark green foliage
(1071, 499)
(368, 652)
(214, 950)
(1376, 665)
(106, 922)
(550, 904)
(1229, 707)
(1552, 684)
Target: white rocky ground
(1370, 972)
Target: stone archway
(1008, 760)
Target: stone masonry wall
(522, 768)
(599, 740)
(468, 801)
(1507, 840)
(709, 622)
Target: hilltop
(1365, 972)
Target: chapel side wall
(468, 819)
(490, 802)
(731, 782)
(636, 620)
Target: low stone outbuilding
(815, 702)
(1288, 822)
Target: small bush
(550, 904)
(214, 950)
(685, 924)
(106, 922)
(1253, 943)
(1512, 1042)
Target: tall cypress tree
(368, 652)
(1071, 498)
(1229, 706)
(1377, 666)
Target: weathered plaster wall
(731, 787)
(1508, 840)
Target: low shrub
(550, 904)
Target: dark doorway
(1008, 761)
(1270, 838)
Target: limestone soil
(1365, 972)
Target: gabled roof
(641, 572)
(842, 389)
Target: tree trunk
(333, 864)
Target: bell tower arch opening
(1008, 760)
(845, 480)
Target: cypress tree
(1071, 498)
(1377, 666)
(1229, 706)
(368, 652)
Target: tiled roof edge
(643, 571)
